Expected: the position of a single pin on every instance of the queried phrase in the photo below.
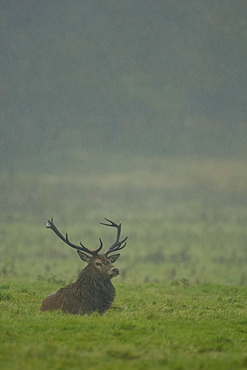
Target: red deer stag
(93, 290)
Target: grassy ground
(181, 293)
(149, 326)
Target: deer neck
(97, 292)
(91, 277)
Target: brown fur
(93, 290)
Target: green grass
(181, 293)
(173, 326)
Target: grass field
(149, 326)
(181, 293)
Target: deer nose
(115, 271)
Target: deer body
(93, 290)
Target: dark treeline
(162, 77)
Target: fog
(131, 110)
(158, 78)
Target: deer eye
(98, 264)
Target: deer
(93, 290)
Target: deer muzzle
(115, 271)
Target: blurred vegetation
(185, 219)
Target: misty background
(148, 78)
(131, 110)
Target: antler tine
(50, 225)
(117, 245)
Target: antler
(50, 225)
(117, 245)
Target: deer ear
(83, 256)
(113, 258)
